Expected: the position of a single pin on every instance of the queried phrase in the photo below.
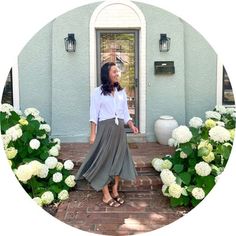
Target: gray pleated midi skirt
(109, 156)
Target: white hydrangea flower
(175, 190)
(233, 115)
(10, 163)
(34, 144)
(230, 110)
(166, 164)
(209, 158)
(220, 123)
(70, 181)
(196, 122)
(206, 144)
(45, 127)
(57, 140)
(203, 168)
(6, 108)
(31, 111)
(24, 173)
(11, 152)
(198, 193)
(167, 177)
(36, 167)
(156, 163)
(47, 197)
(51, 162)
(219, 134)
(172, 142)
(53, 151)
(63, 195)
(164, 190)
(182, 134)
(221, 109)
(43, 171)
(183, 155)
(38, 201)
(213, 114)
(14, 132)
(68, 165)
(59, 166)
(6, 139)
(39, 119)
(57, 177)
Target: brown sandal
(112, 203)
(119, 199)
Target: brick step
(142, 164)
(142, 183)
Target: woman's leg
(115, 186)
(107, 197)
(115, 193)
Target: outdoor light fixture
(70, 43)
(164, 43)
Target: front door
(121, 47)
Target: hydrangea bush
(32, 155)
(201, 154)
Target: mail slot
(164, 67)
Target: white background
(20, 20)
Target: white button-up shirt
(107, 107)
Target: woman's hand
(92, 132)
(92, 138)
(132, 127)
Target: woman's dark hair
(107, 87)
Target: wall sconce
(164, 43)
(70, 43)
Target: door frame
(136, 71)
(134, 18)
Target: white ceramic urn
(164, 127)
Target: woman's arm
(132, 127)
(92, 132)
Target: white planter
(164, 127)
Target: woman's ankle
(115, 190)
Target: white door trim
(132, 17)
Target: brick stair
(148, 178)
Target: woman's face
(114, 74)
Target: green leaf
(55, 188)
(178, 168)
(194, 131)
(192, 162)
(206, 182)
(186, 177)
(186, 148)
(174, 202)
(195, 202)
(203, 151)
(184, 192)
(190, 188)
(186, 200)
(178, 180)
(226, 150)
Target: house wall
(57, 82)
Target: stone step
(142, 183)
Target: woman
(109, 157)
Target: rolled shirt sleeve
(94, 107)
(126, 111)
